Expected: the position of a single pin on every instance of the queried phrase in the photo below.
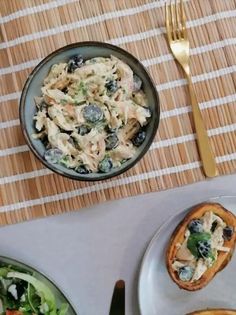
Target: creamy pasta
(92, 114)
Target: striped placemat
(31, 29)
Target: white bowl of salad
(89, 111)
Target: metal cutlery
(179, 44)
(118, 299)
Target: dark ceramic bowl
(88, 50)
(59, 295)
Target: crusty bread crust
(178, 237)
(214, 312)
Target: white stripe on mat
(193, 51)
(20, 67)
(191, 137)
(55, 4)
(147, 63)
(14, 150)
(155, 32)
(198, 78)
(111, 15)
(164, 86)
(10, 97)
(209, 104)
(9, 123)
(36, 9)
(114, 183)
(85, 22)
(155, 145)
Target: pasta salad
(92, 114)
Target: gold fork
(179, 44)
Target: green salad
(21, 293)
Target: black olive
(204, 248)
(111, 141)
(53, 155)
(92, 113)
(228, 232)
(185, 273)
(82, 170)
(195, 226)
(213, 226)
(74, 63)
(139, 138)
(83, 130)
(111, 86)
(105, 165)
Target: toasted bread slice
(214, 312)
(179, 235)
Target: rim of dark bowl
(33, 269)
(105, 175)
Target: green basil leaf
(193, 242)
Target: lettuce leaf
(42, 290)
(63, 310)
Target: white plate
(159, 295)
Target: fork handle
(205, 150)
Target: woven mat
(31, 29)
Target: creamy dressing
(201, 268)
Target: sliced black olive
(83, 130)
(204, 248)
(53, 155)
(185, 273)
(213, 226)
(195, 226)
(92, 113)
(111, 141)
(105, 165)
(111, 86)
(74, 63)
(228, 232)
(82, 170)
(139, 138)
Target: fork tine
(168, 27)
(178, 24)
(173, 22)
(183, 19)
